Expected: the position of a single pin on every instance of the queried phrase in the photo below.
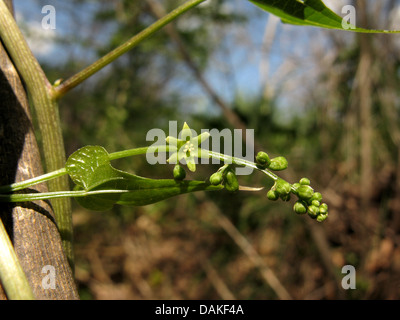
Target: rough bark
(31, 226)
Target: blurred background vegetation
(326, 100)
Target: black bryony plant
(99, 186)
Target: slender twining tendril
(99, 186)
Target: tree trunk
(31, 226)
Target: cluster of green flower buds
(309, 201)
(227, 176)
(281, 189)
(275, 164)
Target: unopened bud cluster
(225, 175)
(308, 201)
(275, 164)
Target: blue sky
(236, 68)
(243, 63)
(43, 41)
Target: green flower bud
(313, 211)
(272, 195)
(179, 173)
(216, 178)
(316, 196)
(296, 185)
(282, 187)
(322, 217)
(305, 181)
(231, 181)
(305, 192)
(299, 207)
(316, 203)
(323, 208)
(278, 164)
(263, 158)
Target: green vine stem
(48, 118)
(13, 278)
(54, 195)
(27, 183)
(95, 178)
(58, 173)
(75, 80)
(112, 156)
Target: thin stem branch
(78, 78)
(112, 156)
(27, 183)
(241, 162)
(138, 151)
(55, 195)
(58, 173)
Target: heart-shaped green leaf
(90, 166)
(91, 170)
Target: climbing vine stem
(90, 169)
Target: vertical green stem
(48, 117)
(13, 278)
